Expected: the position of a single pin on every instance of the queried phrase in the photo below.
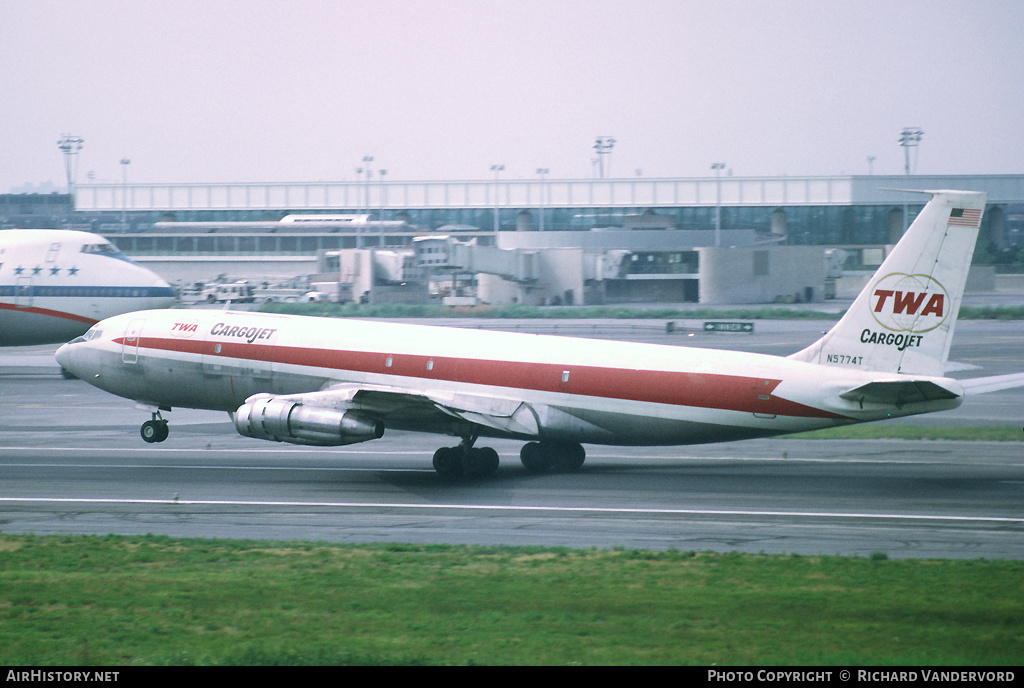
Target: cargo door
(213, 362)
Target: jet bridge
(448, 254)
(520, 275)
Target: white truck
(235, 292)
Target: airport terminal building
(707, 240)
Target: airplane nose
(63, 356)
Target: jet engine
(288, 420)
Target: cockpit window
(92, 334)
(107, 248)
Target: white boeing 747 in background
(56, 283)
(327, 382)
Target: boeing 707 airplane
(329, 382)
(55, 284)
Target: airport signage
(723, 326)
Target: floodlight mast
(69, 145)
(909, 138)
(381, 199)
(603, 145)
(124, 193)
(718, 167)
(542, 172)
(496, 169)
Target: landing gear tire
(452, 462)
(538, 457)
(534, 457)
(154, 431)
(447, 462)
(480, 462)
(570, 458)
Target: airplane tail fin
(903, 320)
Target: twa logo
(909, 303)
(185, 329)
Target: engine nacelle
(288, 420)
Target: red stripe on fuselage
(699, 390)
(47, 312)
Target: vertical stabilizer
(903, 321)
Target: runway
(73, 462)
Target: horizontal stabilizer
(995, 383)
(899, 392)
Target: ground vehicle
(235, 292)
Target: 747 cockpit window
(100, 248)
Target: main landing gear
(537, 457)
(450, 462)
(556, 456)
(154, 430)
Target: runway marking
(631, 460)
(211, 467)
(512, 507)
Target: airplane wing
(995, 383)
(427, 407)
(505, 415)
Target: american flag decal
(964, 217)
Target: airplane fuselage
(547, 387)
(330, 382)
(56, 284)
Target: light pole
(718, 167)
(124, 193)
(543, 172)
(367, 159)
(603, 145)
(380, 218)
(359, 184)
(909, 138)
(363, 199)
(496, 169)
(69, 146)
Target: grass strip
(154, 600)
(995, 433)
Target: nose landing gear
(154, 430)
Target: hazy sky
(275, 90)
